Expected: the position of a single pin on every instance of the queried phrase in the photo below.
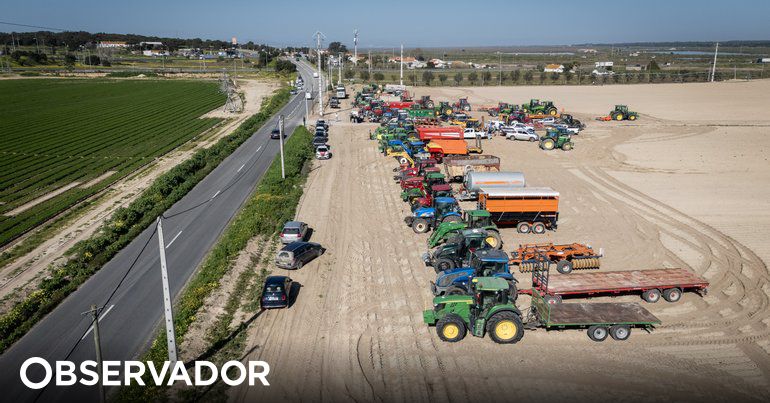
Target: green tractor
(471, 219)
(621, 112)
(486, 309)
(444, 109)
(554, 138)
(536, 106)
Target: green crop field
(57, 136)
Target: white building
(111, 44)
(604, 64)
(602, 72)
(554, 68)
(155, 52)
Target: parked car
(321, 123)
(293, 231)
(276, 134)
(520, 133)
(564, 126)
(293, 91)
(547, 121)
(319, 141)
(321, 132)
(472, 133)
(276, 292)
(297, 254)
(334, 103)
(323, 152)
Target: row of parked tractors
(475, 289)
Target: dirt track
(656, 193)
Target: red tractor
(461, 105)
(437, 190)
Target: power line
(31, 26)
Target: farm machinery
(461, 105)
(482, 263)
(471, 219)
(423, 219)
(502, 108)
(554, 138)
(487, 308)
(566, 257)
(538, 107)
(457, 251)
(420, 167)
(429, 196)
(620, 112)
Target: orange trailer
(530, 209)
(449, 147)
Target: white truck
(471, 133)
(341, 93)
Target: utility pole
(339, 78)
(355, 47)
(307, 111)
(318, 36)
(401, 80)
(500, 68)
(94, 312)
(169, 313)
(369, 62)
(280, 144)
(714, 66)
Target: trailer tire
(538, 228)
(652, 296)
(443, 264)
(672, 294)
(597, 333)
(451, 328)
(564, 267)
(455, 290)
(420, 226)
(505, 328)
(523, 227)
(620, 332)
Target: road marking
(239, 169)
(259, 148)
(174, 239)
(100, 319)
(216, 194)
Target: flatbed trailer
(457, 166)
(651, 284)
(602, 319)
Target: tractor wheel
(505, 328)
(493, 113)
(651, 296)
(618, 116)
(564, 267)
(620, 332)
(420, 225)
(523, 227)
(429, 105)
(452, 218)
(552, 111)
(566, 146)
(538, 228)
(494, 240)
(513, 292)
(451, 328)
(443, 264)
(672, 294)
(403, 161)
(631, 117)
(467, 108)
(597, 333)
(454, 290)
(548, 144)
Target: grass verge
(273, 203)
(88, 256)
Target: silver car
(293, 231)
(520, 133)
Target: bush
(285, 66)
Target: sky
(416, 23)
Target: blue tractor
(444, 209)
(483, 263)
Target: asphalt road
(129, 323)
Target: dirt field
(684, 186)
(22, 275)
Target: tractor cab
(555, 138)
(412, 182)
(487, 293)
(441, 190)
(477, 218)
(446, 205)
(434, 178)
(489, 262)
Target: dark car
(319, 141)
(320, 131)
(276, 292)
(276, 134)
(296, 254)
(322, 123)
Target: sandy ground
(665, 191)
(22, 275)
